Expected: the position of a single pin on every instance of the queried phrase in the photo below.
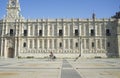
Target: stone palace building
(66, 38)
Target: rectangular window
(11, 32)
(76, 33)
(108, 32)
(93, 45)
(60, 45)
(24, 45)
(108, 44)
(40, 32)
(76, 45)
(60, 33)
(92, 32)
(25, 32)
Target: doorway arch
(10, 52)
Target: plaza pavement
(60, 68)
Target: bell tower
(13, 9)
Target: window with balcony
(11, 32)
(108, 44)
(24, 45)
(40, 32)
(60, 33)
(93, 45)
(76, 33)
(76, 45)
(108, 32)
(25, 32)
(60, 45)
(92, 32)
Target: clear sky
(65, 8)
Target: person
(77, 57)
(52, 55)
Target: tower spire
(93, 16)
(13, 9)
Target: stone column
(53, 30)
(68, 29)
(18, 45)
(63, 44)
(100, 30)
(38, 28)
(57, 42)
(28, 43)
(48, 44)
(100, 43)
(38, 44)
(15, 51)
(84, 30)
(95, 49)
(33, 43)
(85, 44)
(1, 47)
(73, 44)
(43, 30)
(69, 43)
(34, 30)
(22, 29)
(64, 32)
(53, 44)
(43, 44)
(47, 29)
(29, 30)
(5, 49)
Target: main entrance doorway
(10, 53)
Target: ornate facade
(66, 38)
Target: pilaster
(118, 36)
